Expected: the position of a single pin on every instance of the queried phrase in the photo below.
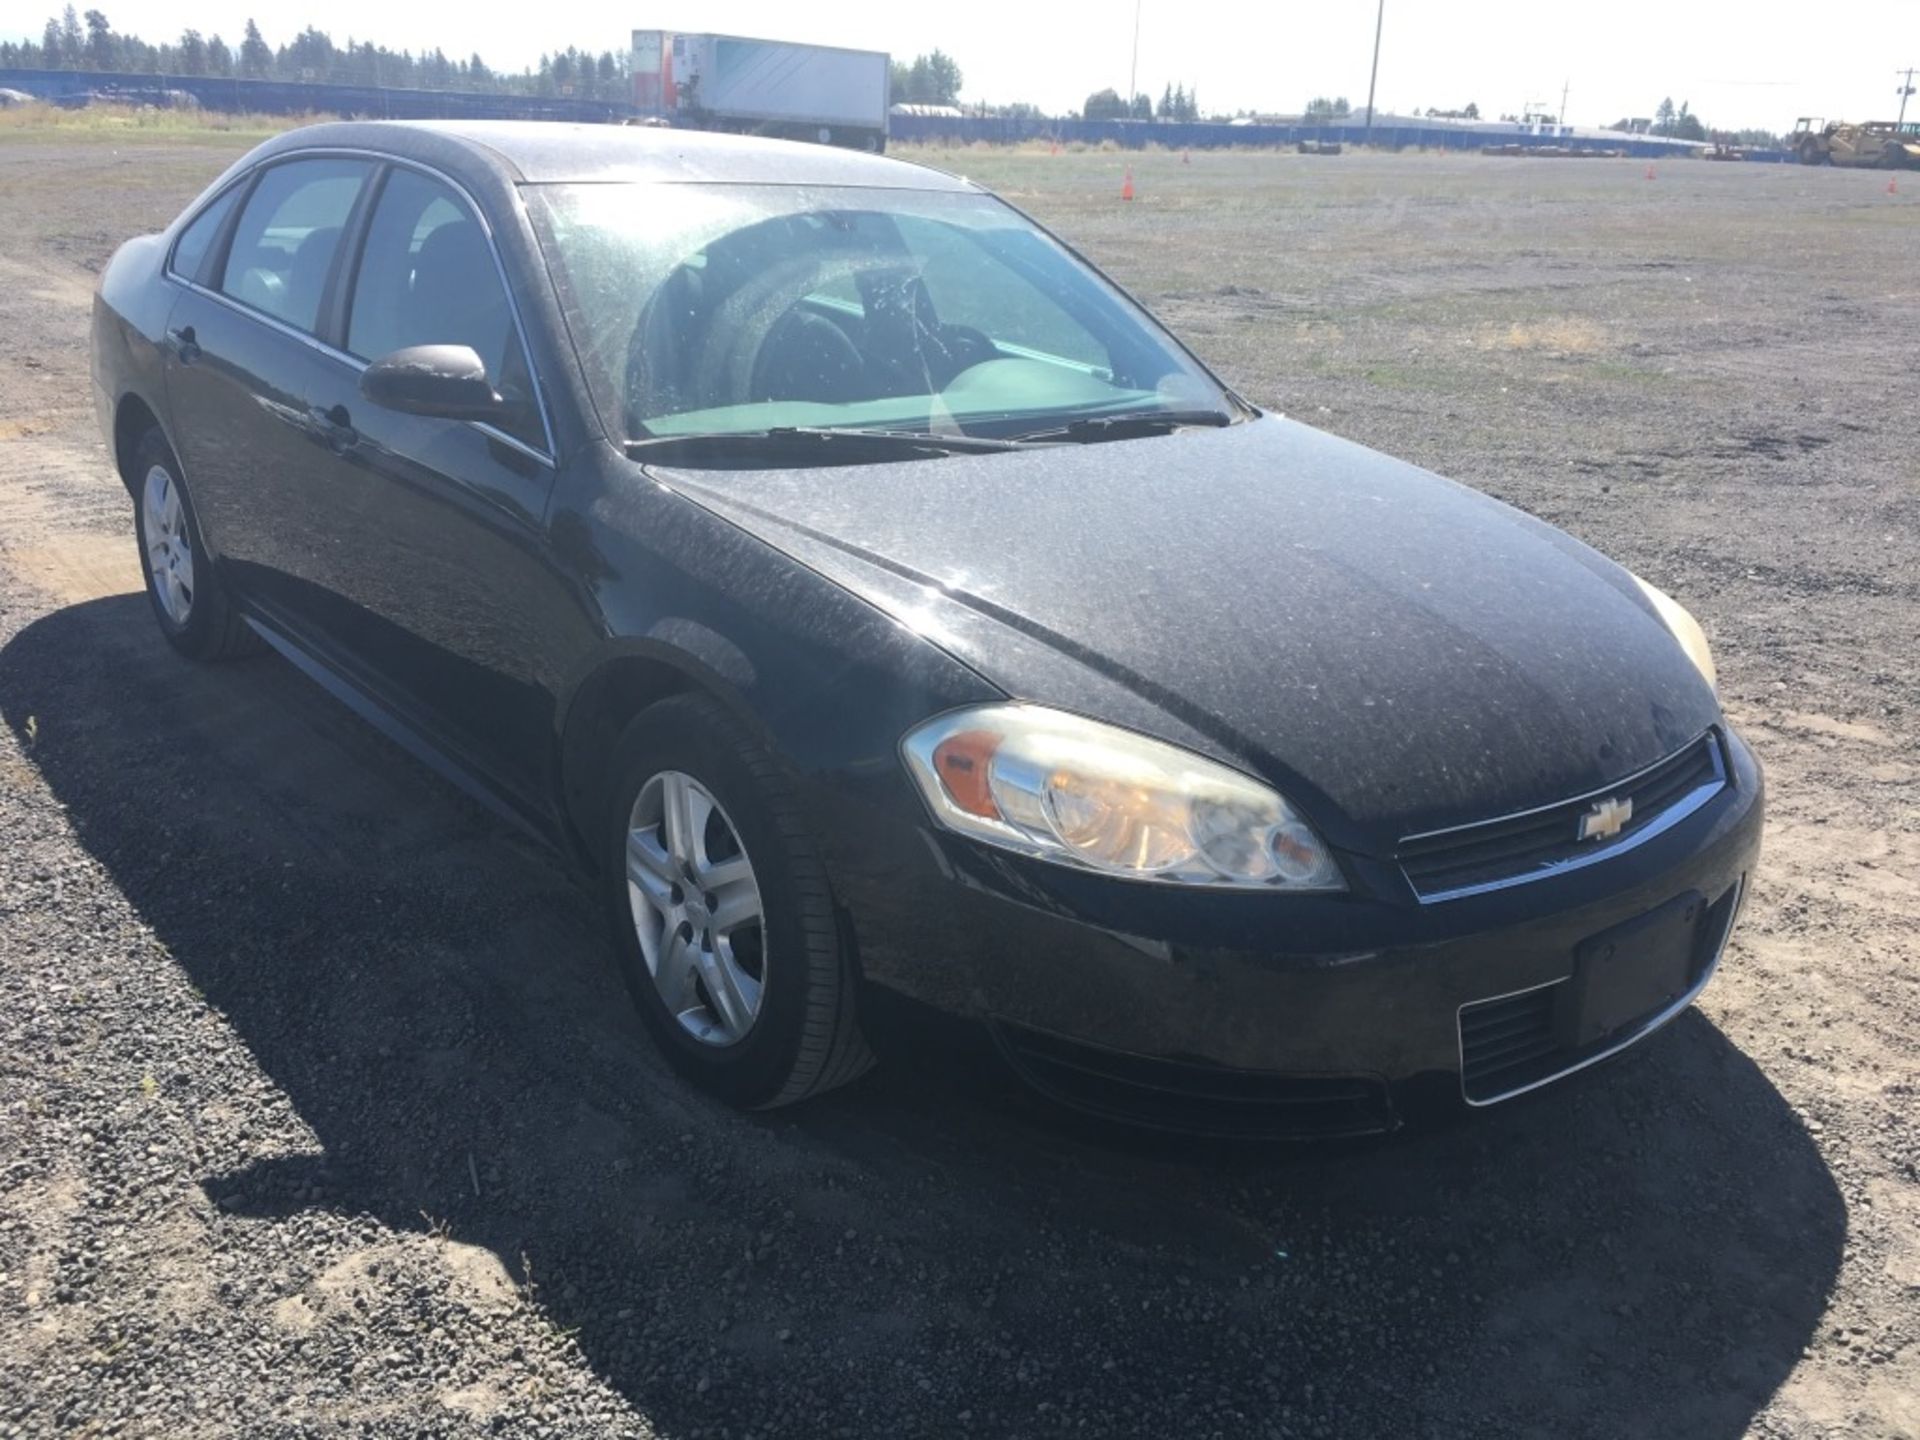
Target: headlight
(1685, 629)
(1077, 792)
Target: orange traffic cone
(1126, 187)
(1056, 147)
(1649, 172)
(1893, 184)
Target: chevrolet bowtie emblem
(1606, 819)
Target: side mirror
(447, 381)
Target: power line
(1379, 19)
(1133, 75)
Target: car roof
(547, 152)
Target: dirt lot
(321, 1111)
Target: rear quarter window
(190, 250)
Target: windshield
(738, 309)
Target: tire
(803, 1037)
(198, 616)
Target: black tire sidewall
(204, 619)
(698, 739)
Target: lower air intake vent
(1503, 1043)
(1203, 1099)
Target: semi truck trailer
(763, 87)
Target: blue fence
(287, 97)
(1137, 134)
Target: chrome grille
(1492, 854)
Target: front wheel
(722, 918)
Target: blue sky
(1756, 64)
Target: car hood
(1395, 650)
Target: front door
(452, 601)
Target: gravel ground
(321, 1111)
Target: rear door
(253, 386)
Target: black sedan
(894, 618)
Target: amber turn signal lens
(964, 763)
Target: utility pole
(1133, 74)
(1379, 18)
(1906, 89)
(1565, 86)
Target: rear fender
(130, 312)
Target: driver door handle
(336, 425)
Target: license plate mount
(1634, 970)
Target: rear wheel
(722, 918)
(195, 612)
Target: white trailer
(764, 87)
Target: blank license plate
(1633, 970)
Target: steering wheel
(806, 357)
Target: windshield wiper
(803, 442)
(1134, 423)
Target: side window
(970, 287)
(190, 250)
(427, 277)
(284, 243)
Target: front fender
(684, 599)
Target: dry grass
(1556, 335)
(137, 122)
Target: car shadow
(1646, 1250)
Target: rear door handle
(186, 347)
(336, 425)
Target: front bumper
(1244, 1013)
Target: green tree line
(75, 41)
(927, 80)
(1681, 124)
(1176, 103)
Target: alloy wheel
(696, 908)
(169, 549)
